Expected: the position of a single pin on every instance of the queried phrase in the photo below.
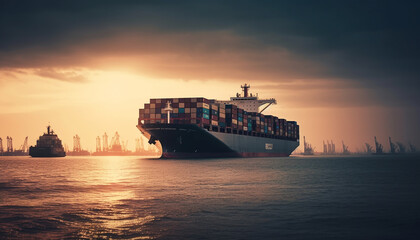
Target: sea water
(337, 197)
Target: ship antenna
(168, 110)
(245, 89)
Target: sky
(344, 70)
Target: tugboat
(48, 145)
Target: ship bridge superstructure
(49, 139)
(249, 102)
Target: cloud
(66, 76)
(371, 45)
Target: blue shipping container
(203, 115)
(203, 110)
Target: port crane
(138, 148)
(124, 145)
(9, 144)
(379, 147)
(307, 148)
(115, 143)
(392, 146)
(98, 144)
(369, 148)
(24, 146)
(345, 149)
(329, 147)
(76, 144)
(105, 143)
(401, 147)
(412, 147)
(10, 151)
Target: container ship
(48, 145)
(208, 128)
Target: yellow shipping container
(181, 105)
(175, 110)
(203, 105)
(187, 110)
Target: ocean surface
(352, 197)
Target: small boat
(48, 145)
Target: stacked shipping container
(217, 117)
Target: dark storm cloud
(374, 43)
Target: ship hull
(45, 152)
(82, 153)
(192, 141)
(15, 153)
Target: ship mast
(248, 101)
(168, 110)
(245, 89)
